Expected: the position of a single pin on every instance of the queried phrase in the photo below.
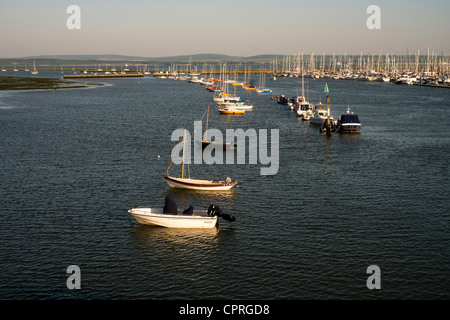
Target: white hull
(238, 106)
(306, 117)
(197, 184)
(317, 120)
(231, 111)
(226, 99)
(319, 116)
(304, 114)
(156, 217)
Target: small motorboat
(282, 99)
(319, 116)
(171, 217)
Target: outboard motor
(215, 211)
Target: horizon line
(97, 55)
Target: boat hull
(349, 123)
(350, 128)
(156, 217)
(317, 120)
(218, 145)
(233, 112)
(197, 184)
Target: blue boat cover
(349, 118)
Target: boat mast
(328, 110)
(206, 130)
(328, 116)
(303, 85)
(184, 143)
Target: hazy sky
(153, 28)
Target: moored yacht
(282, 99)
(319, 116)
(304, 109)
(348, 122)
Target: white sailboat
(262, 85)
(239, 105)
(34, 69)
(197, 184)
(304, 109)
(205, 142)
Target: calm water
(74, 161)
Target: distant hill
(88, 57)
(114, 58)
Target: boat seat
(189, 211)
(170, 206)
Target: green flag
(326, 88)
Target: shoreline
(10, 83)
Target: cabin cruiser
(348, 122)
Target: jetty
(104, 75)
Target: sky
(150, 28)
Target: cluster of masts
(415, 68)
(407, 69)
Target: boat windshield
(305, 107)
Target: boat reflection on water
(160, 239)
(200, 198)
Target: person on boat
(170, 207)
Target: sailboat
(304, 109)
(34, 69)
(247, 82)
(231, 111)
(262, 83)
(196, 184)
(205, 142)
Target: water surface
(74, 161)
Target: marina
(429, 69)
(107, 75)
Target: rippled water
(74, 161)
